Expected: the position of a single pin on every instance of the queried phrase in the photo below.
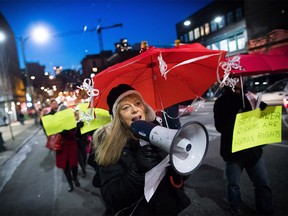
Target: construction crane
(99, 31)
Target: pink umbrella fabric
(253, 64)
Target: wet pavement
(15, 136)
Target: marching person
(53, 110)
(123, 162)
(82, 142)
(67, 158)
(226, 107)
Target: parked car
(276, 92)
(185, 110)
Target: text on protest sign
(257, 127)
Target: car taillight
(285, 102)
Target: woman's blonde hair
(110, 140)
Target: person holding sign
(82, 142)
(226, 107)
(54, 108)
(67, 157)
(123, 162)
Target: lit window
(214, 46)
(220, 21)
(223, 45)
(202, 31)
(241, 41)
(232, 44)
(207, 28)
(197, 33)
(191, 36)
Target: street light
(39, 34)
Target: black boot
(71, 187)
(67, 173)
(76, 182)
(84, 173)
(75, 175)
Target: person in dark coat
(82, 142)
(67, 157)
(171, 117)
(123, 162)
(226, 107)
(53, 110)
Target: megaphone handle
(176, 185)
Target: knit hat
(117, 93)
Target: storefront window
(232, 44)
(223, 45)
(241, 41)
(214, 46)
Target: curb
(8, 153)
(27, 139)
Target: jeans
(258, 175)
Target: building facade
(12, 90)
(240, 27)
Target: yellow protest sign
(102, 117)
(56, 123)
(257, 127)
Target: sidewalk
(15, 136)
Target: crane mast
(99, 31)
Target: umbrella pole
(242, 90)
(165, 118)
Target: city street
(30, 183)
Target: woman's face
(131, 108)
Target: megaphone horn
(186, 146)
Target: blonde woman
(123, 162)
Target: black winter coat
(123, 186)
(226, 107)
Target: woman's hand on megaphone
(148, 156)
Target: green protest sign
(257, 127)
(56, 123)
(102, 117)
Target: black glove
(80, 124)
(148, 156)
(262, 106)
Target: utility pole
(99, 31)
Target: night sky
(153, 21)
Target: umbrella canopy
(254, 64)
(164, 76)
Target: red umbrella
(187, 72)
(253, 64)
